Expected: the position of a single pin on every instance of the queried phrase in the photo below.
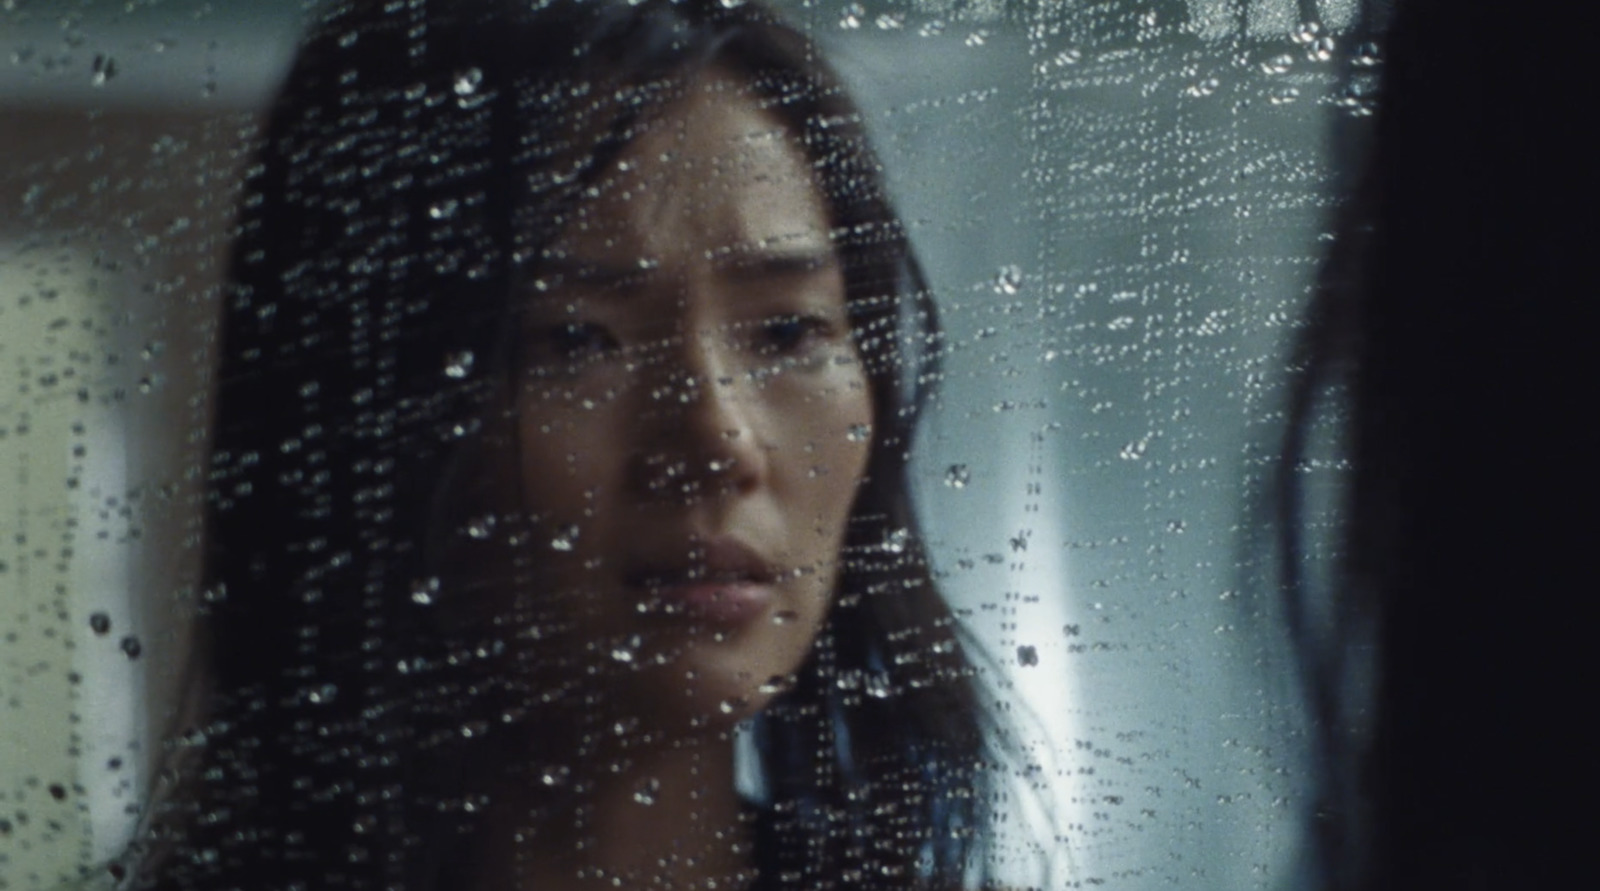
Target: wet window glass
(660, 444)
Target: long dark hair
(1454, 312)
(417, 160)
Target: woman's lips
(728, 603)
(723, 581)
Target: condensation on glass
(1120, 207)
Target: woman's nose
(706, 438)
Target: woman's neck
(666, 816)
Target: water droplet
(467, 81)
(778, 683)
(482, 527)
(131, 647)
(1305, 32)
(627, 650)
(859, 432)
(100, 623)
(1135, 449)
(1008, 280)
(1069, 57)
(956, 476)
(1321, 49)
(424, 591)
(323, 694)
(784, 616)
(458, 365)
(1279, 64)
(890, 22)
(555, 775)
(877, 685)
(1176, 526)
(850, 17)
(646, 792)
(1027, 657)
(1283, 95)
(1366, 55)
(565, 538)
(444, 210)
(896, 540)
(105, 68)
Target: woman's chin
(691, 695)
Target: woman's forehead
(714, 174)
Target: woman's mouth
(720, 581)
(720, 602)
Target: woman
(569, 369)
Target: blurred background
(1121, 204)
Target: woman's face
(694, 419)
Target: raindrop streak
(100, 623)
(957, 476)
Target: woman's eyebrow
(595, 273)
(768, 260)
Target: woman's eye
(580, 340)
(788, 335)
(570, 346)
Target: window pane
(1119, 208)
